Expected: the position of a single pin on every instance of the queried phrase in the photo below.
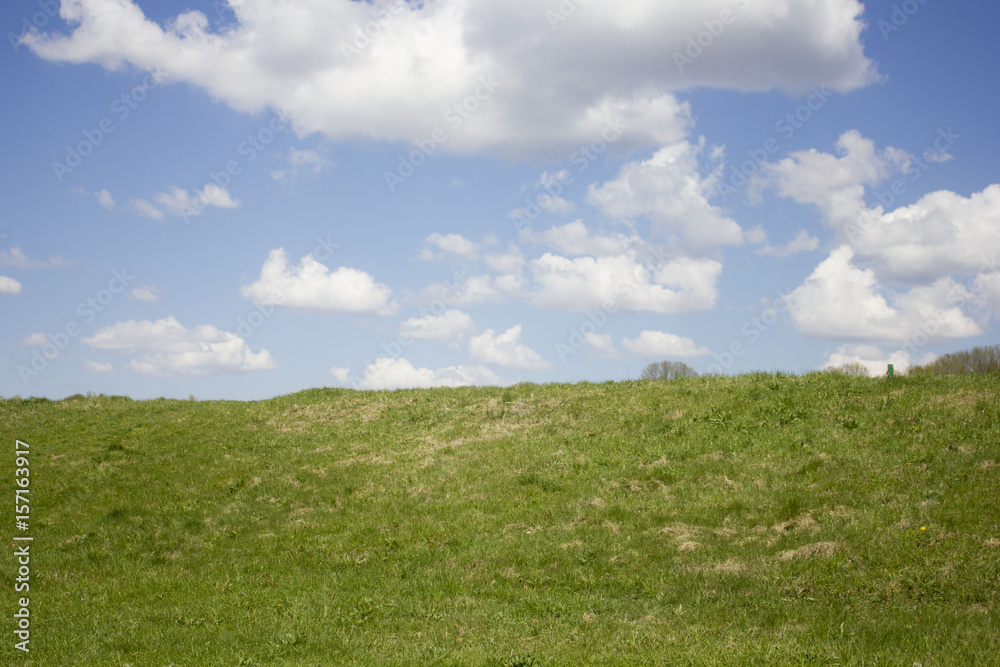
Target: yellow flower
(923, 527)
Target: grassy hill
(758, 520)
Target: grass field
(756, 520)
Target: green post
(890, 370)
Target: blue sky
(234, 201)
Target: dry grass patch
(814, 550)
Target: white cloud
(15, 258)
(450, 244)
(662, 344)
(611, 58)
(313, 286)
(926, 244)
(9, 285)
(839, 300)
(105, 199)
(574, 238)
(940, 234)
(145, 293)
(388, 373)
(601, 344)
(669, 190)
(97, 367)
(179, 202)
(505, 350)
(834, 184)
(145, 209)
(802, 242)
(452, 327)
(586, 283)
(166, 348)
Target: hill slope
(753, 520)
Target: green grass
(758, 520)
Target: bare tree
(668, 370)
(976, 360)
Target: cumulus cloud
(663, 344)
(940, 234)
(574, 238)
(9, 286)
(388, 373)
(893, 275)
(454, 245)
(835, 184)
(802, 242)
(98, 367)
(669, 190)
(505, 350)
(611, 59)
(586, 283)
(166, 348)
(840, 300)
(311, 285)
(452, 327)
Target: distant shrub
(668, 370)
(855, 368)
(976, 360)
